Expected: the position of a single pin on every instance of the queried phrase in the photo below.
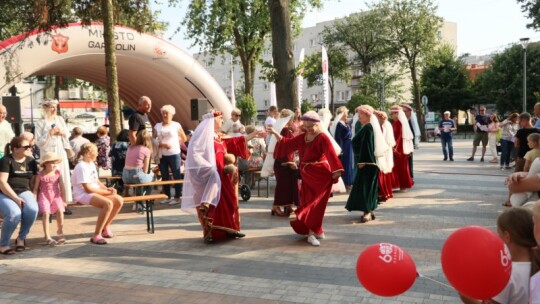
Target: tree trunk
(282, 53)
(115, 118)
(331, 89)
(248, 68)
(417, 104)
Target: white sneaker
(313, 240)
(176, 201)
(320, 236)
(165, 201)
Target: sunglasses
(26, 147)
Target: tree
(502, 83)
(281, 14)
(247, 105)
(413, 34)
(338, 69)
(531, 8)
(445, 82)
(364, 34)
(236, 27)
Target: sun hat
(50, 157)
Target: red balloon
(385, 270)
(476, 262)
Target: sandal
(50, 242)
(107, 233)
(507, 204)
(60, 239)
(98, 240)
(20, 248)
(8, 251)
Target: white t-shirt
(169, 135)
(534, 294)
(270, 121)
(84, 173)
(6, 134)
(517, 289)
(232, 128)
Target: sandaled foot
(50, 242)
(60, 239)
(107, 233)
(98, 240)
(20, 245)
(8, 251)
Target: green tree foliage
(445, 82)
(502, 83)
(338, 69)
(359, 99)
(247, 105)
(531, 8)
(365, 35)
(413, 31)
(306, 106)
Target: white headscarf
(337, 120)
(201, 179)
(326, 117)
(381, 147)
(388, 133)
(416, 127)
(268, 165)
(406, 133)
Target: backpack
(118, 157)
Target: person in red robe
(401, 176)
(319, 169)
(215, 199)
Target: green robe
(365, 188)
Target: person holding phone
(51, 136)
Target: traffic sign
(424, 100)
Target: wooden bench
(110, 181)
(148, 198)
(257, 174)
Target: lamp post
(524, 43)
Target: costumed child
(515, 228)
(48, 189)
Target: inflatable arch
(146, 65)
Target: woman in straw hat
(208, 188)
(319, 168)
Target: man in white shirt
(270, 121)
(233, 126)
(6, 132)
(77, 140)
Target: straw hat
(50, 157)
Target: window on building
(312, 42)
(266, 103)
(266, 86)
(347, 95)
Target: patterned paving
(271, 265)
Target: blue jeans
(13, 215)
(137, 176)
(172, 162)
(506, 151)
(446, 140)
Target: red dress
(225, 217)
(318, 161)
(287, 190)
(401, 175)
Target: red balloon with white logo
(385, 270)
(476, 262)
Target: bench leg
(150, 216)
(267, 186)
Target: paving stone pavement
(270, 265)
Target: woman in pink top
(138, 160)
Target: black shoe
(209, 240)
(482, 159)
(445, 159)
(372, 216)
(235, 235)
(364, 220)
(470, 159)
(451, 159)
(68, 212)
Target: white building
(309, 40)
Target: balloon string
(433, 280)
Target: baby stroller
(243, 187)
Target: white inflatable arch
(147, 65)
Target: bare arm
(182, 136)
(35, 188)
(132, 136)
(7, 190)
(146, 164)
(102, 190)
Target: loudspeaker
(199, 107)
(13, 107)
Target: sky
(483, 26)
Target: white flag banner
(233, 97)
(273, 99)
(300, 78)
(325, 77)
